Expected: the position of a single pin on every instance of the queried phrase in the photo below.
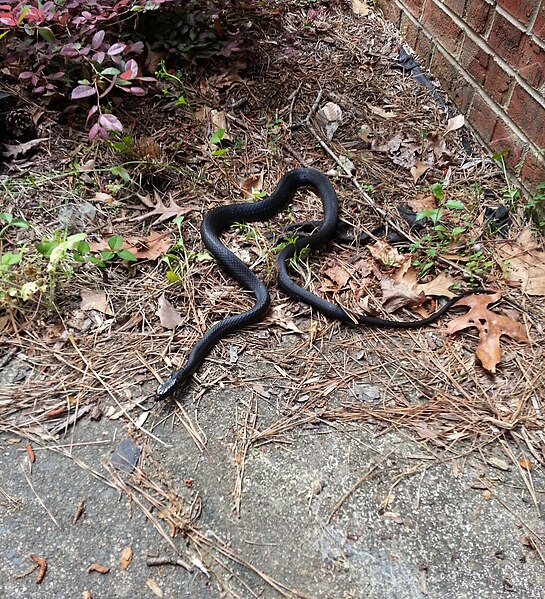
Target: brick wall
(490, 56)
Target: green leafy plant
(175, 80)
(275, 129)
(535, 206)
(9, 221)
(510, 193)
(178, 259)
(215, 142)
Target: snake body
(219, 219)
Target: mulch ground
(73, 362)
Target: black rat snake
(219, 219)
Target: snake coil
(219, 219)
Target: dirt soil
(307, 458)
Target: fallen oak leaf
(151, 247)
(384, 253)
(491, 327)
(160, 210)
(397, 295)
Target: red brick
(423, 48)
(474, 60)
(528, 114)
(521, 9)
(408, 30)
(539, 25)
(497, 82)
(482, 118)
(505, 39)
(456, 6)
(441, 26)
(462, 96)
(391, 11)
(477, 13)
(533, 170)
(414, 6)
(448, 74)
(531, 65)
(503, 137)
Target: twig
(169, 561)
(359, 482)
(39, 498)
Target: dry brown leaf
(94, 567)
(360, 8)
(101, 197)
(159, 209)
(523, 264)
(439, 287)
(423, 203)
(526, 464)
(456, 122)
(20, 150)
(397, 295)
(364, 132)
(418, 170)
(95, 300)
(151, 247)
(338, 275)
(155, 588)
(384, 253)
(385, 114)
(126, 557)
(329, 117)
(491, 327)
(252, 184)
(278, 316)
(390, 145)
(170, 318)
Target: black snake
(221, 218)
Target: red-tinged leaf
(39, 90)
(116, 48)
(57, 75)
(99, 57)
(150, 79)
(8, 21)
(25, 75)
(97, 40)
(137, 91)
(69, 51)
(86, 14)
(110, 122)
(83, 91)
(93, 132)
(92, 111)
(131, 70)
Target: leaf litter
(431, 383)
